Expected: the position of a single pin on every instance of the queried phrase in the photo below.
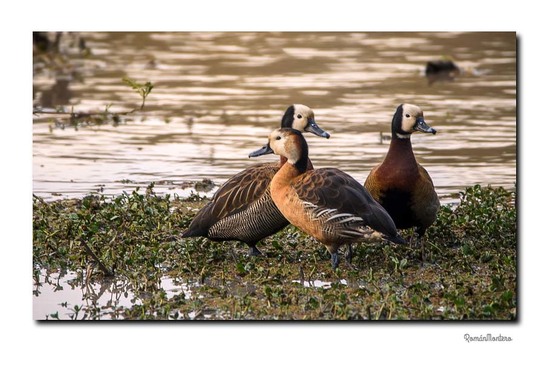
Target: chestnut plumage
(400, 184)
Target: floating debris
(441, 66)
(441, 70)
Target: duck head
(286, 142)
(300, 117)
(407, 119)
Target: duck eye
(407, 115)
(278, 138)
(299, 116)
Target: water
(69, 295)
(216, 97)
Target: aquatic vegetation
(133, 239)
(142, 89)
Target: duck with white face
(242, 209)
(400, 184)
(407, 119)
(326, 203)
(301, 117)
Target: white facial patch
(301, 115)
(304, 110)
(408, 120)
(278, 141)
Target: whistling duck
(326, 203)
(242, 209)
(400, 184)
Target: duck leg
(419, 239)
(252, 250)
(349, 254)
(334, 259)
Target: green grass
(469, 272)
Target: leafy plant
(485, 216)
(142, 89)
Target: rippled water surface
(216, 97)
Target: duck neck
(283, 160)
(302, 164)
(284, 176)
(290, 170)
(400, 151)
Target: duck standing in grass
(400, 184)
(326, 203)
(242, 209)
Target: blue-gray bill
(266, 149)
(422, 126)
(315, 129)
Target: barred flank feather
(259, 220)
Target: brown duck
(326, 203)
(242, 209)
(400, 184)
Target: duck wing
(331, 191)
(243, 189)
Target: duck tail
(397, 239)
(188, 233)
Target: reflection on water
(216, 97)
(69, 295)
